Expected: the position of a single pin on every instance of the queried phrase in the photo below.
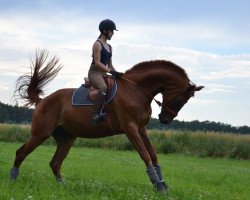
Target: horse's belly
(86, 130)
(97, 133)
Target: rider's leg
(97, 114)
(98, 81)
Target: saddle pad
(80, 96)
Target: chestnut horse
(128, 113)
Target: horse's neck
(154, 80)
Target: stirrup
(99, 117)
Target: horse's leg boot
(14, 173)
(98, 114)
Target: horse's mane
(166, 64)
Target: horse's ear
(198, 88)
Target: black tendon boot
(98, 114)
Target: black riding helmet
(108, 25)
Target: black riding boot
(98, 114)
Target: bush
(14, 133)
(203, 144)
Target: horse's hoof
(14, 172)
(60, 179)
(164, 185)
(160, 187)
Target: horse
(128, 113)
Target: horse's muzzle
(165, 119)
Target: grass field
(108, 174)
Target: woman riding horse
(129, 111)
(101, 64)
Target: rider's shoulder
(97, 44)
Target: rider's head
(107, 25)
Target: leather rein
(144, 90)
(158, 102)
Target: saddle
(86, 94)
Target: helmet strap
(106, 34)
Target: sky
(210, 39)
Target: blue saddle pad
(80, 96)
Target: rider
(101, 65)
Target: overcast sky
(210, 39)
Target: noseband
(179, 90)
(171, 111)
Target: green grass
(109, 174)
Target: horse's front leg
(133, 135)
(152, 153)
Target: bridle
(158, 102)
(180, 90)
(170, 110)
(143, 89)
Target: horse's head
(173, 101)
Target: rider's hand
(116, 73)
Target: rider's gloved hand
(116, 73)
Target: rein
(158, 102)
(144, 90)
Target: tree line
(15, 114)
(199, 126)
(21, 115)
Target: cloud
(3, 87)
(199, 65)
(68, 37)
(188, 34)
(221, 67)
(71, 38)
(202, 101)
(218, 88)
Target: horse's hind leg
(24, 151)
(64, 142)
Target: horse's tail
(30, 86)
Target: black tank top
(105, 55)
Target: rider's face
(110, 34)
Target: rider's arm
(111, 65)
